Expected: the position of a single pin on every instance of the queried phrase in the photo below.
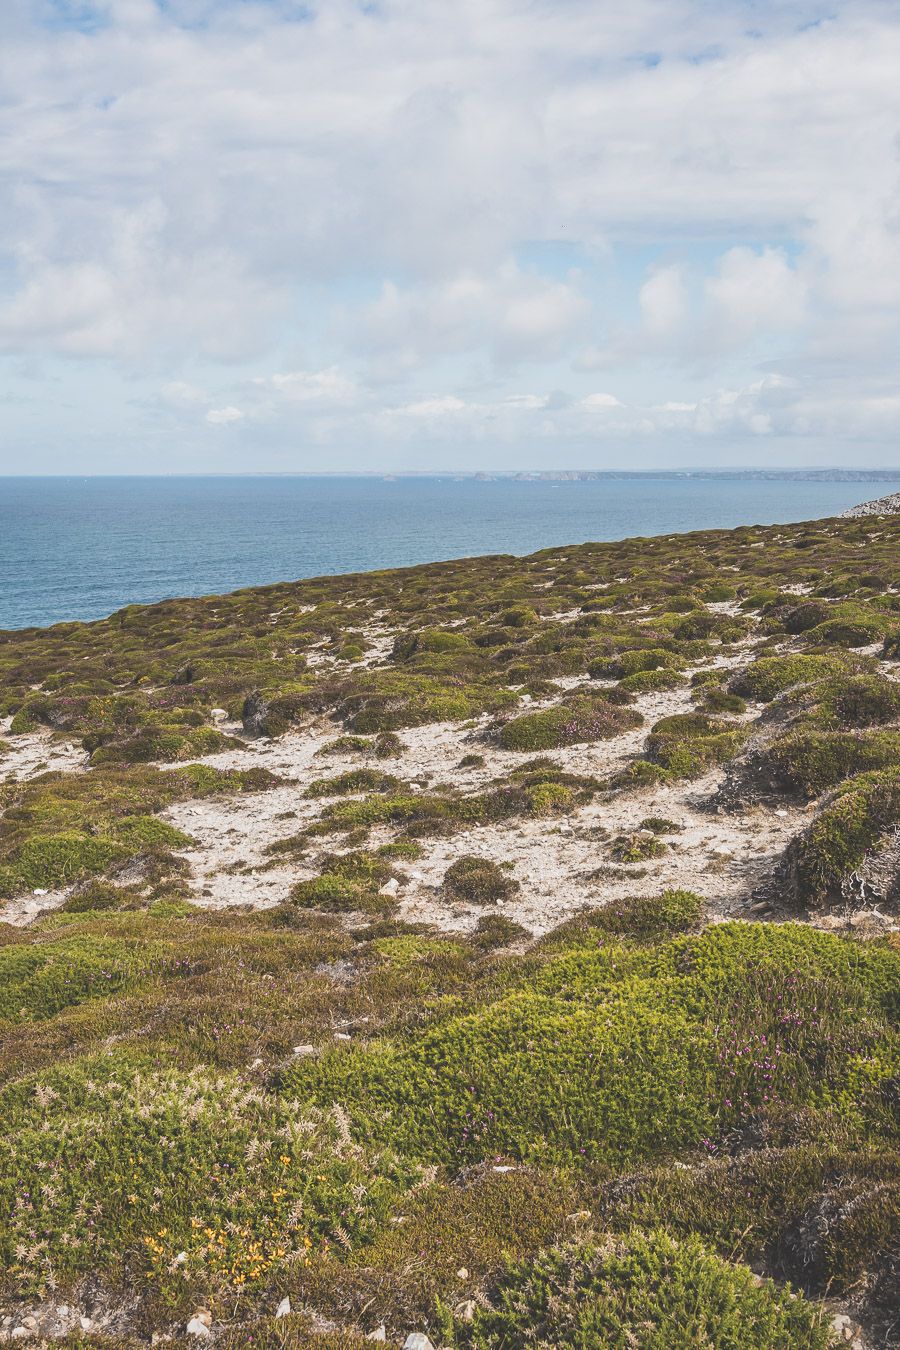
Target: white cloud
(663, 301)
(223, 417)
(753, 293)
(207, 186)
(513, 314)
(315, 386)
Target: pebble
(304, 1049)
(390, 887)
(379, 1334)
(843, 1326)
(417, 1340)
(283, 1308)
(197, 1328)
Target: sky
(265, 235)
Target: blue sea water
(79, 548)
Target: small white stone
(19, 1334)
(304, 1049)
(197, 1328)
(505, 1167)
(85, 1323)
(417, 1340)
(283, 1308)
(218, 714)
(342, 1036)
(39, 890)
(465, 1311)
(390, 887)
(462, 1273)
(379, 1334)
(63, 1310)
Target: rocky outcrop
(881, 506)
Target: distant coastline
(526, 475)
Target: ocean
(79, 548)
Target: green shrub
(689, 743)
(652, 681)
(649, 1291)
(636, 661)
(164, 1163)
(355, 780)
(478, 881)
(851, 823)
(770, 676)
(581, 720)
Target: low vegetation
(638, 1128)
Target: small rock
(379, 1334)
(842, 1326)
(304, 1049)
(342, 1036)
(63, 1310)
(390, 887)
(503, 1167)
(218, 714)
(19, 1334)
(462, 1273)
(283, 1308)
(39, 890)
(465, 1311)
(197, 1328)
(417, 1340)
(85, 1323)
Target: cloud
(435, 202)
(663, 300)
(753, 293)
(223, 417)
(314, 386)
(513, 315)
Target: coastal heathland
(497, 952)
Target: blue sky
(411, 235)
